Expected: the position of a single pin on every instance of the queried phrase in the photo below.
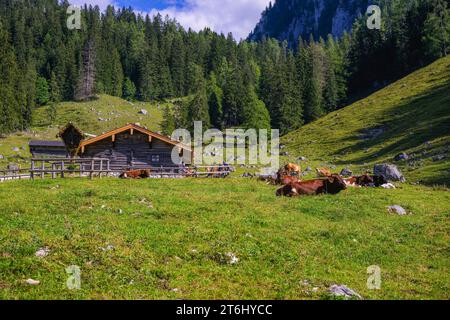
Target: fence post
(32, 170)
(92, 169)
(62, 169)
(108, 165)
(42, 169)
(101, 168)
(53, 171)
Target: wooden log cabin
(48, 149)
(132, 147)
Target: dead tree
(86, 82)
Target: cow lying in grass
(330, 185)
(366, 180)
(135, 174)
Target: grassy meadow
(169, 239)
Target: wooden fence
(98, 167)
(13, 174)
(62, 167)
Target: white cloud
(236, 16)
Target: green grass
(84, 115)
(181, 241)
(412, 111)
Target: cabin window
(155, 158)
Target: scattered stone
(315, 289)
(388, 186)
(401, 156)
(439, 157)
(232, 259)
(389, 172)
(42, 252)
(397, 210)
(344, 291)
(302, 159)
(32, 282)
(284, 154)
(15, 149)
(120, 211)
(346, 172)
(143, 111)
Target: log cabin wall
(131, 151)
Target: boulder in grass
(346, 172)
(143, 111)
(397, 210)
(344, 291)
(42, 252)
(389, 171)
(32, 282)
(401, 156)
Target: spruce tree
(42, 91)
(129, 89)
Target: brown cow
(135, 174)
(323, 172)
(292, 168)
(367, 180)
(351, 182)
(330, 185)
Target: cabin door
(130, 158)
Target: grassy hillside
(93, 117)
(170, 239)
(411, 115)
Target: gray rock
(344, 291)
(15, 149)
(284, 154)
(439, 157)
(401, 156)
(346, 172)
(308, 169)
(143, 111)
(302, 159)
(389, 172)
(397, 210)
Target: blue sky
(147, 5)
(236, 16)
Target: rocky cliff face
(290, 19)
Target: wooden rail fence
(98, 167)
(42, 167)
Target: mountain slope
(290, 19)
(411, 115)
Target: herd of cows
(327, 183)
(289, 177)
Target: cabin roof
(47, 143)
(137, 128)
